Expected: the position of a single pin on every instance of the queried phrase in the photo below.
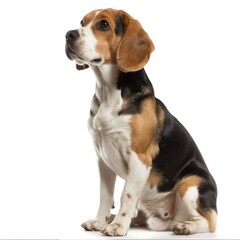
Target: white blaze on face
(86, 43)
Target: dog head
(109, 37)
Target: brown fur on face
(130, 50)
(107, 41)
(89, 17)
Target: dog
(167, 183)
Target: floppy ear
(135, 47)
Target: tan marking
(89, 17)
(143, 128)
(161, 117)
(123, 214)
(191, 181)
(145, 91)
(187, 182)
(107, 41)
(154, 179)
(129, 195)
(210, 215)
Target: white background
(48, 172)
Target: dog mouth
(80, 62)
(71, 54)
(96, 60)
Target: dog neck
(106, 74)
(106, 85)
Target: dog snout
(72, 36)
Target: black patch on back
(132, 83)
(179, 156)
(119, 25)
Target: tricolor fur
(167, 183)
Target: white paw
(114, 229)
(181, 228)
(93, 225)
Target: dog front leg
(137, 176)
(107, 183)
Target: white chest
(110, 131)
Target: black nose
(72, 36)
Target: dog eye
(103, 25)
(81, 23)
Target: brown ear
(135, 47)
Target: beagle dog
(167, 183)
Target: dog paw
(181, 228)
(93, 225)
(114, 229)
